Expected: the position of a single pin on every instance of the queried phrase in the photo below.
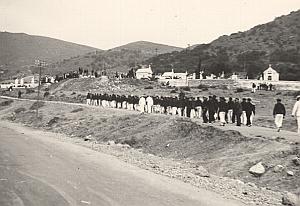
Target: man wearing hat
(279, 114)
(296, 112)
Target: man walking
(237, 111)
(279, 114)
(296, 112)
(250, 110)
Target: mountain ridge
(276, 42)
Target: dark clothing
(249, 108)
(237, 112)
(223, 106)
(230, 105)
(279, 109)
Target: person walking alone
(279, 114)
(296, 112)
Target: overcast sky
(108, 23)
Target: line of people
(208, 109)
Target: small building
(173, 75)
(270, 74)
(144, 73)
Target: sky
(105, 24)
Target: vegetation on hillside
(276, 43)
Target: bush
(6, 103)
(238, 90)
(173, 91)
(19, 110)
(186, 88)
(29, 91)
(149, 87)
(37, 105)
(46, 94)
(131, 142)
(52, 121)
(77, 110)
(73, 93)
(203, 87)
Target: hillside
(116, 59)
(18, 50)
(276, 42)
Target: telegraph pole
(39, 64)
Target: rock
(290, 173)
(278, 168)
(111, 142)
(290, 199)
(296, 161)
(258, 169)
(201, 171)
(251, 184)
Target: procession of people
(210, 110)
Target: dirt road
(37, 169)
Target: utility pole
(39, 64)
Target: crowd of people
(209, 109)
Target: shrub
(77, 110)
(202, 86)
(173, 91)
(73, 93)
(131, 142)
(29, 91)
(149, 87)
(19, 110)
(6, 102)
(46, 94)
(37, 105)
(52, 121)
(186, 88)
(238, 90)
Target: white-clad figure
(142, 104)
(149, 102)
(296, 112)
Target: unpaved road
(37, 169)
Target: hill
(276, 42)
(19, 50)
(116, 59)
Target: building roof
(270, 69)
(144, 70)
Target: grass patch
(6, 102)
(77, 110)
(37, 105)
(19, 110)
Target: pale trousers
(229, 116)
(222, 117)
(298, 121)
(174, 110)
(278, 120)
(244, 118)
(193, 113)
(142, 108)
(149, 108)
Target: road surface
(37, 169)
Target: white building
(270, 74)
(144, 73)
(173, 75)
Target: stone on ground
(257, 169)
(290, 199)
(278, 168)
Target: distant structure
(144, 73)
(270, 74)
(173, 75)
